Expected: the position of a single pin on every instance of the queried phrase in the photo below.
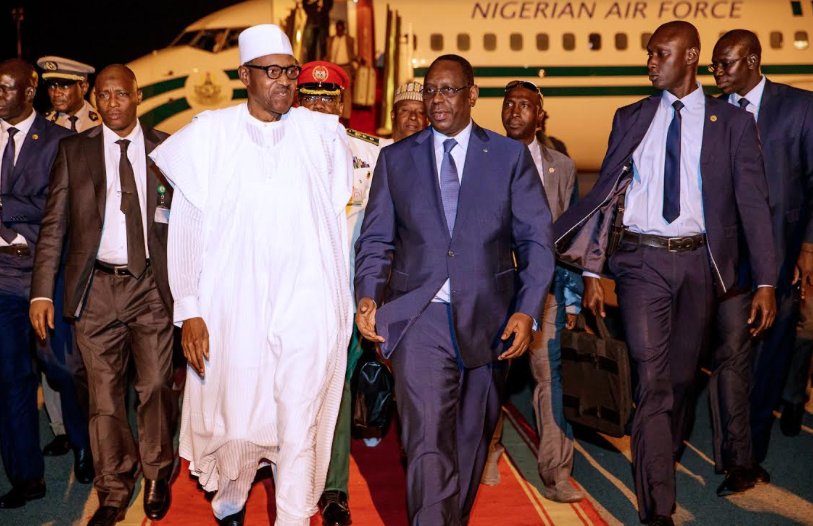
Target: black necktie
(136, 252)
(6, 170)
(743, 103)
(671, 168)
(73, 119)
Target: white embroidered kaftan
(258, 249)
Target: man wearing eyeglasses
(258, 265)
(67, 83)
(321, 86)
(688, 170)
(784, 117)
(437, 285)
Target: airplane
(588, 57)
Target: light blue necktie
(449, 184)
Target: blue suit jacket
(735, 194)
(786, 131)
(405, 253)
(27, 189)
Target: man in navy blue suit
(28, 146)
(450, 207)
(688, 171)
(784, 117)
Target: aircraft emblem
(208, 93)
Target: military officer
(321, 86)
(67, 83)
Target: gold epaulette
(363, 136)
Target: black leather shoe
(156, 498)
(83, 466)
(107, 516)
(237, 519)
(334, 508)
(661, 520)
(737, 480)
(760, 475)
(60, 445)
(791, 421)
(21, 493)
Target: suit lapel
(150, 143)
(765, 117)
(550, 179)
(476, 166)
(423, 155)
(710, 129)
(94, 156)
(29, 149)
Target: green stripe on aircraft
(164, 86)
(161, 113)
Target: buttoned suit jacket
(734, 193)
(405, 253)
(76, 208)
(25, 193)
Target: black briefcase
(371, 385)
(596, 378)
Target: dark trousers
(795, 391)
(448, 415)
(666, 302)
(124, 318)
(19, 421)
(63, 367)
(770, 368)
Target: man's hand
(804, 268)
(41, 312)
(763, 309)
(365, 320)
(195, 342)
(593, 298)
(520, 325)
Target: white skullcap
(261, 40)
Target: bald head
(117, 98)
(118, 71)
(736, 60)
(18, 85)
(674, 51)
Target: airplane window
(569, 41)
(594, 41)
(621, 41)
(463, 42)
(645, 39)
(542, 41)
(490, 41)
(210, 40)
(436, 42)
(776, 40)
(800, 40)
(796, 7)
(231, 41)
(184, 39)
(516, 41)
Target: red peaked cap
(322, 78)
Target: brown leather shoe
(107, 516)
(21, 493)
(157, 498)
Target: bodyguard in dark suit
(28, 144)
(449, 209)
(686, 167)
(784, 117)
(109, 199)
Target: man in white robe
(258, 266)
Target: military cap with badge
(61, 77)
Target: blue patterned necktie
(449, 184)
(671, 168)
(744, 103)
(6, 170)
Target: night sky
(98, 32)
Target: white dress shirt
(113, 247)
(19, 138)
(644, 202)
(754, 98)
(458, 153)
(536, 155)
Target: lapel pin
(713, 118)
(485, 150)
(35, 137)
(551, 169)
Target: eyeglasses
(274, 72)
(725, 65)
(522, 83)
(447, 91)
(326, 99)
